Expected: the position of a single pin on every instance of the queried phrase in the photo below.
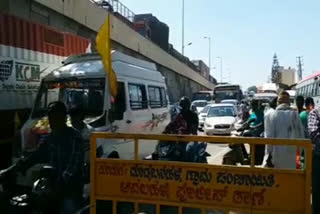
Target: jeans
(316, 183)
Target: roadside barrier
(205, 187)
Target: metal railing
(117, 7)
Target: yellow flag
(103, 46)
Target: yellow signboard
(249, 189)
(207, 186)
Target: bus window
(315, 89)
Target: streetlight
(221, 69)
(209, 39)
(190, 43)
(182, 28)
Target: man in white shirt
(283, 122)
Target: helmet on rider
(185, 104)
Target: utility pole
(221, 68)
(299, 65)
(209, 59)
(182, 28)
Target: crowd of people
(66, 146)
(301, 122)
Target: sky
(245, 33)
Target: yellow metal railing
(202, 186)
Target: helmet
(185, 103)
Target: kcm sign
(207, 187)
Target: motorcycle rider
(243, 111)
(183, 121)
(63, 150)
(256, 119)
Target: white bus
(227, 92)
(309, 87)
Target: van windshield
(85, 93)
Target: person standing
(309, 104)
(300, 103)
(314, 133)
(284, 122)
(64, 151)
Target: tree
(253, 88)
(275, 69)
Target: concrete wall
(83, 18)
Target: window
(315, 89)
(157, 97)
(138, 97)
(164, 97)
(118, 106)
(154, 97)
(310, 90)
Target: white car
(231, 101)
(202, 116)
(220, 119)
(199, 104)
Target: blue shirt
(256, 118)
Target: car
(199, 104)
(202, 116)
(220, 119)
(231, 101)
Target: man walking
(284, 122)
(314, 133)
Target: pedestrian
(77, 116)
(284, 122)
(273, 105)
(300, 103)
(64, 151)
(314, 133)
(309, 104)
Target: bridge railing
(201, 187)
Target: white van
(141, 105)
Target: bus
(203, 95)
(309, 87)
(227, 91)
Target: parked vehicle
(199, 104)
(220, 119)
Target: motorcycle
(238, 153)
(176, 151)
(16, 199)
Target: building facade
(287, 76)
